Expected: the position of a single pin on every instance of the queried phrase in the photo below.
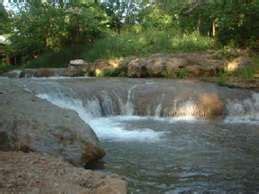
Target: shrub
(146, 42)
(53, 59)
(5, 67)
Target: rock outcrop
(156, 65)
(28, 123)
(197, 65)
(171, 65)
(35, 173)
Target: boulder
(137, 68)
(28, 123)
(36, 173)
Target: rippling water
(162, 156)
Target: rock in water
(28, 123)
(35, 173)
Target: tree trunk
(214, 28)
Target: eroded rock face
(35, 173)
(28, 123)
(161, 65)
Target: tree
(5, 25)
(41, 27)
(122, 12)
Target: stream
(154, 137)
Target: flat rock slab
(35, 173)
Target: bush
(54, 59)
(4, 67)
(146, 42)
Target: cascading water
(153, 134)
(105, 127)
(245, 111)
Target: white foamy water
(111, 128)
(114, 128)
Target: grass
(147, 42)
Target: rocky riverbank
(29, 125)
(35, 173)
(179, 65)
(240, 69)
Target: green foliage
(246, 73)
(232, 20)
(146, 42)
(155, 18)
(41, 27)
(222, 78)
(116, 28)
(182, 73)
(122, 12)
(5, 26)
(53, 59)
(5, 67)
(117, 72)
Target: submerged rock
(35, 173)
(28, 123)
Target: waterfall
(129, 107)
(105, 127)
(151, 99)
(243, 111)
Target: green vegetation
(248, 73)
(54, 58)
(146, 42)
(5, 67)
(50, 34)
